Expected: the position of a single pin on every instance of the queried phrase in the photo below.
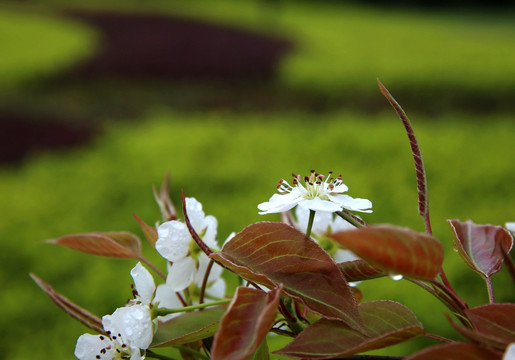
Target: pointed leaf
(455, 350)
(163, 200)
(279, 254)
(386, 323)
(150, 232)
(120, 244)
(394, 249)
(189, 327)
(480, 245)
(359, 270)
(75, 311)
(494, 320)
(246, 323)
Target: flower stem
(166, 311)
(310, 222)
(204, 281)
(192, 351)
(354, 220)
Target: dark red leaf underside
(394, 249)
(481, 245)
(246, 323)
(494, 320)
(189, 327)
(275, 253)
(75, 311)
(386, 323)
(111, 244)
(454, 351)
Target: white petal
(209, 237)
(89, 346)
(340, 188)
(342, 255)
(214, 274)
(166, 297)
(144, 283)
(341, 225)
(217, 289)
(318, 204)
(136, 353)
(133, 323)
(509, 354)
(279, 203)
(354, 204)
(181, 274)
(173, 240)
(321, 223)
(511, 226)
(195, 214)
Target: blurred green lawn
(232, 161)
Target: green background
(443, 67)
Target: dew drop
(395, 277)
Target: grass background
(231, 160)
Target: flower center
(314, 185)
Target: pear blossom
(189, 263)
(129, 330)
(316, 194)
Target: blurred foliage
(34, 45)
(231, 162)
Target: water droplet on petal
(395, 277)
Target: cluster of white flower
(130, 329)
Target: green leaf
(386, 323)
(119, 244)
(359, 270)
(480, 245)
(455, 350)
(75, 311)
(188, 327)
(396, 250)
(246, 323)
(272, 253)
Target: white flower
(175, 244)
(510, 226)
(128, 329)
(509, 354)
(316, 194)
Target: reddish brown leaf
(150, 232)
(75, 311)
(276, 253)
(394, 249)
(359, 270)
(480, 245)
(386, 323)
(246, 323)
(162, 197)
(455, 350)
(495, 320)
(111, 244)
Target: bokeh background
(100, 99)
